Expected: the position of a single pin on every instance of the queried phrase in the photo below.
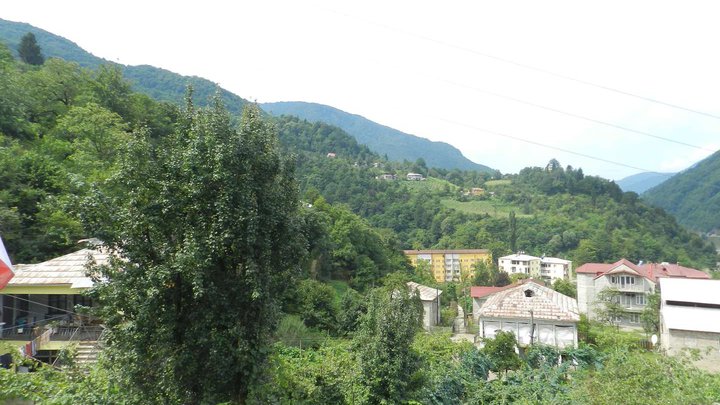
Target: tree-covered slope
(693, 196)
(396, 145)
(642, 182)
(158, 83)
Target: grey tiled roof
(426, 293)
(544, 302)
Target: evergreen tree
(206, 223)
(29, 50)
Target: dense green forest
(693, 195)
(275, 272)
(393, 144)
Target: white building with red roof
(633, 282)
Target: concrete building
(690, 318)
(429, 297)
(633, 283)
(545, 268)
(450, 265)
(534, 313)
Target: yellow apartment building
(450, 265)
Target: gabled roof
(651, 271)
(70, 269)
(426, 293)
(544, 302)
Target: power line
(527, 66)
(45, 305)
(517, 138)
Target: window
(640, 299)
(623, 280)
(633, 318)
(57, 304)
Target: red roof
(480, 292)
(651, 271)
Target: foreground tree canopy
(206, 223)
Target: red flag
(6, 270)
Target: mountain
(157, 83)
(642, 182)
(693, 195)
(381, 139)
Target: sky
(511, 84)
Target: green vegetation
(380, 139)
(494, 208)
(693, 195)
(275, 273)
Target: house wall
(589, 287)
(708, 344)
(558, 334)
(430, 314)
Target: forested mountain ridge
(641, 182)
(383, 140)
(157, 83)
(693, 195)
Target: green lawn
(430, 184)
(490, 207)
(495, 183)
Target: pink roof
(651, 271)
(480, 292)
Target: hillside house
(450, 265)
(690, 318)
(481, 294)
(548, 269)
(533, 312)
(43, 297)
(633, 282)
(386, 176)
(429, 297)
(414, 177)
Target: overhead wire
(527, 66)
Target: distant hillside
(158, 83)
(642, 182)
(693, 196)
(383, 140)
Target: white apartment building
(545, 268)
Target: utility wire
(48, 306)
(527, 66)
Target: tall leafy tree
(206, 223)
(29, 50)
(384, 343)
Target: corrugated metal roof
(519, 256)
(544, 302)
(70, 269)
(426, 293)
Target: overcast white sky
(422, 67)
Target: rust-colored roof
(544, 302)
(70, 269)
(480, 292)
(445, 251)
(651, 271)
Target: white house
(546, 268)
(690, 318)
(633, 282)
(429, 297)
(520, 263)
(414, 177)
(534, 313)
